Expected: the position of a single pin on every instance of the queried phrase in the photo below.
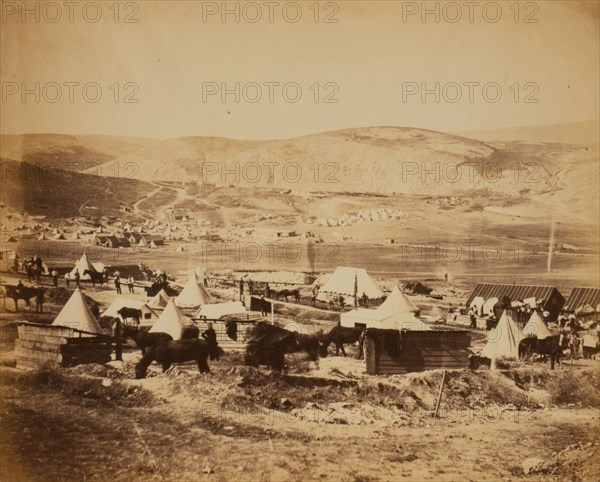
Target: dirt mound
(577, 462)
(58, 295)
(416, 288)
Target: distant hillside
(372, 159)
(68, 152)
(59, 194)
(375, 160)
(575, 133)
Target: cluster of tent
(503, 341)
(76, 313)
(395, 313)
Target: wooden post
(439, 398)
(118, 341)
(272, 313)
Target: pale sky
(371, 56)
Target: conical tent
(342, 282)
(170, 322)
(76, 314)
(397, 302)
(193, 294)
(160, 300)
(82, 265)
(536, 327)
(503, 341)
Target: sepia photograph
(311, 240)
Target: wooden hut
(403, 351)
(39, 344)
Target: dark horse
(268, 345)
(95, 277)
(286, 293)
(130, 313)
(24, 293)
(155, 287)
(168, 352)
(548, 347)
(341, 335)
(142, 338)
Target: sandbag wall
(397, 352)
(38, 344)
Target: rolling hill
(377, 160)
(59, 194)
(373, 159)
(70, 153)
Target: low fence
(398, 352)
(38, 344)
(220, 327)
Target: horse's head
(322, 349)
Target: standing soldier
(67, 279)
(473, 318)
(39, 301)
(54, 277)
(241, 289)
(130, 283)
(118, 284)
(77, 277)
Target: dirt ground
(325, 420)
(95, 422)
